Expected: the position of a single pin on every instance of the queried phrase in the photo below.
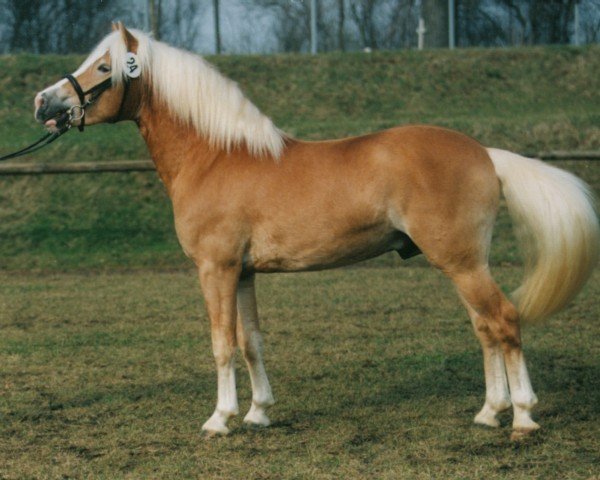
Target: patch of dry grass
(111, 376)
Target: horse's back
(425, 169)
(432, 155)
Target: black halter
(76, 112)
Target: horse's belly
(273, 254)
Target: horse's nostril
(40, 100)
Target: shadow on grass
(112, 398)
(567, 389)
(388, 382)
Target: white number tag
(132, 66)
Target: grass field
(111, 376)
(105, 363)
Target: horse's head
(97, 91)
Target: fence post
(421, 30)
(313, 27)
(451, 24)
(576, 23)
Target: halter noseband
(77, 112)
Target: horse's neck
(172, 144)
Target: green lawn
(111, 376)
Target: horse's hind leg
(497, 324)
(250, 342)
(497, 396)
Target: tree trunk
(341, 19)
(217, 27)
(435, 14)
(154, 14)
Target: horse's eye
(104, 68)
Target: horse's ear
(130, 41)
(114, 26)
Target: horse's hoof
(486, 421)
(257, 419)
(214, 426)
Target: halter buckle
(76, 112)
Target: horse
(248, 198)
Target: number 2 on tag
(132, 66)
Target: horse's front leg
(219, 284)
(250, 342)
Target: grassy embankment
(526, 100)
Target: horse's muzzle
(51, 110)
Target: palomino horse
(247, 199)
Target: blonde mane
(198, 94)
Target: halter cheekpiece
(77, 112)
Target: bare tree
(479, 23)
(182, 25)
(384, 23)
(42, 27)
(291, 26)
(589, 14)
(155, 14)
(27, 26)
(542, 21)
(59, 26)
(435, 14)
(550, 20)
(341, 20)
(363, 14)
(217, 26)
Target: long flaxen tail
(556, 224)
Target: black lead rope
(30, 148)
(41, 143)
(76, 112)
(68, 116)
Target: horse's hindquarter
(326, 204)
(451, 197)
